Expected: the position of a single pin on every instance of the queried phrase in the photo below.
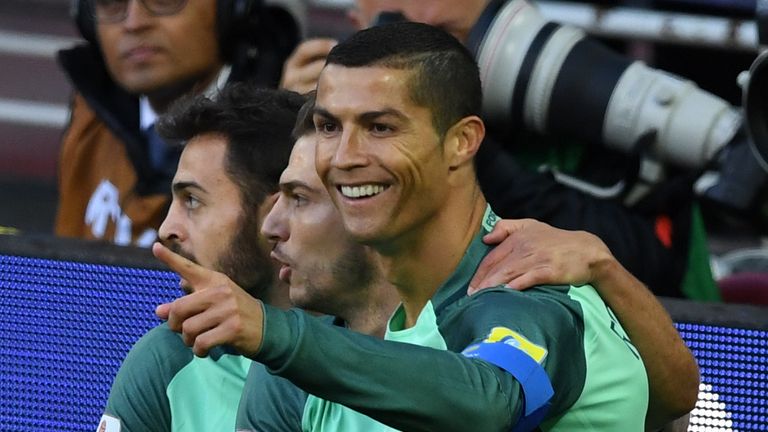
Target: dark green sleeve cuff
(280, 337)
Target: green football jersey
(347, 381)
(163, 386)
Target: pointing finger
(190, 272)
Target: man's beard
(243, 261)
(346, 279)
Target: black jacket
(119, 110)
(630, 233)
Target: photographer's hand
(302, 69)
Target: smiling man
(396, 117)
(560, 180)
(330, 273)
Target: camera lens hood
(755, 102)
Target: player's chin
(299, 297)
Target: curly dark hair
(257, 123)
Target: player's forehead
(203, 161)
(301, 165)
(368, 95)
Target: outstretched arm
(373, 376)
(534, 253)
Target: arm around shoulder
(673, 374)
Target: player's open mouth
(285, 273)
(362, 191)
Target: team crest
(489, 219)
(510, 337)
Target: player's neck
(370, 317)
(424, 260)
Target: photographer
(139, 57)
(549, 156)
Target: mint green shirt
(163, 386)
(322, 415)
(315, 369)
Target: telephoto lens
(756, 107)
(554, 79)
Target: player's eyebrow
(371, 116)
(292, 185)
(365, 117)
(181, 186)
(322, 112)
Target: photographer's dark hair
(257, 124)
(445, 76)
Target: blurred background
(708, 41)
(33, 109)
(34, 98)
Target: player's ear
(462, 141)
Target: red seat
(745, 287)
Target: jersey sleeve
(405, 386)
(137, 399)
(542, 323)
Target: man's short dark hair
(446, 78)
(304, 123)
(256, 123)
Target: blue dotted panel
(64, 330)
(733, 363)
(65, 327)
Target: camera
(737, 182)
(755, 102)
(554, 79)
